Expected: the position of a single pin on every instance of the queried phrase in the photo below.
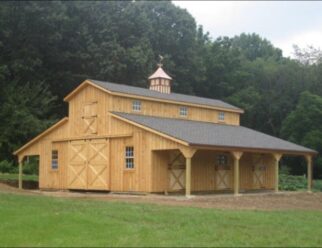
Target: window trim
(129, 158)
(54, 160)
(136, 105)
(183, 111)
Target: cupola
(160, 80)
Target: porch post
(20, 160)
(236, 156)
(277, 157)
(309, 173)
(188, 154)
(188, 176)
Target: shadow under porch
(214, 172)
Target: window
(222, 163)
(183, 111)
(221, 116)
(54, 159)
(222, 159)
(129, 157)
(136, 105)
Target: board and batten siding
(171, 110)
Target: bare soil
(252, 201)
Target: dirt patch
(251, 201)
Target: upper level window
(183, 111)
(129, 157)
(136, 105)
(221, 116)
(54, 159)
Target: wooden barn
(121, 138)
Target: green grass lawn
(7, 176)
(49, 221)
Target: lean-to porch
(198, 171)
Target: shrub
(31, 168)
(293, 183)
(5, 166)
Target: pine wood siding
(123, 104)
(87, 113)
(91, 150)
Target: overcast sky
(283, 23)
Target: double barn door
(88, 165)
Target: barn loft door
(259, 172)
(90, 118)
(176, 172)
(77, 174)
(88, 166)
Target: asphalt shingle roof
(122, 88)
(211, 134)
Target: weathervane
(160, 61)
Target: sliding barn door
(88, 166)
(77, 175)
(97, 167)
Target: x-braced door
(223, 177)
(176, 172)
(97, 167)
(88, 166)
(259, 172)
(77, 166)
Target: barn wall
(170, 110)
(143, 177)
(48, 178)
(247, 163)
(87, 96)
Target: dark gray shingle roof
(211, 134)
(121, 88)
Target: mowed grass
(48, 221)
(7, 176)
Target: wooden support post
(309, 173)
(188, 154)
(188, 177)
(277, 157)
(236, 156)
(20, 160)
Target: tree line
(48, 48)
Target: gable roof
(197, 133)
(180, 98)
(39, 136)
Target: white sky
(283, 23)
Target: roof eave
(252, 149)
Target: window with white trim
(183, 111)
(54, 159)
(136, 105)
(129, 157)
(221, 116)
